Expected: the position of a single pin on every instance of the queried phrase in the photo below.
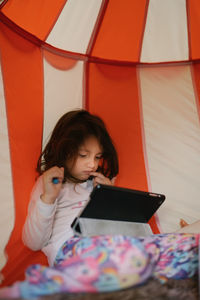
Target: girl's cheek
(96, 166)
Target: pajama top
(48, 226)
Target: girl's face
(87, 161)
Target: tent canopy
(135, 64)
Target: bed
(164, 266)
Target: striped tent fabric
(135, 64)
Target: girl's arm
(42, 208)
(39, 222)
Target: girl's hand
(51, 190)
(99, 178)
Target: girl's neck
(75, 180)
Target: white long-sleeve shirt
(48, 226)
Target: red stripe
(22, 69)
(121, 30)
(36, 17)
(193, 12)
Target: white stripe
(172, 135)
(165, 36)
(74, 26)
(7, 199)
(62, 93)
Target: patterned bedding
(110, 263)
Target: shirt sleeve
(38, 226)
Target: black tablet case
(114, 209)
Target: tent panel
(33, 16)
(120, 34)
(166, 35)
(172, 135)
(152, 112)
(62, 91)
(7, 199)
(194, 25)
(74, 27)
(107, 84)
(22, 66)
(115, 88)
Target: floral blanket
(110, 263)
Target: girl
(79, 148)
(79, 155)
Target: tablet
(111, 203)
(122, 204)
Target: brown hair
(70, 132)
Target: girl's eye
(99, 157)
(82, 155)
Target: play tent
(134, 63)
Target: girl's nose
(91, 162)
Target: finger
(113, 180)
(97, 181)
(61, 174)
(97, 174)
(58, 171)
(54, 175)
(102, 180)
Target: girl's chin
(84, 177)
(79, 179)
